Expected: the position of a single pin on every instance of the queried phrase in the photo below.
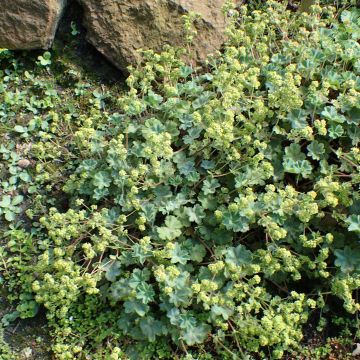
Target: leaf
(208, 202)
(207, 164)
(136, 307)
(153, 125)
(293, 152)
(20, 129)
(202, 100)
(348, 17)
(297, 118)
(149, 211)
(195, 214)
(235, 222)
(74, 30)
(186, 167)
(186, 321)
(171, 230)
(251, 175)
(139, 277)
(354, 134)
(336, 131)
(316, 150)
(101, 180)
(186, 121)
(5, 201)
(112, 271)
(238, 256)
(24, 176)
(141, 253)
(193, 134)
(175, 181)
(99, 95)
(185, 71)
(301, 167)
(210, 186)
(330, 113)
(18, 199)
(45, 59)
(224, 312)
(193, 177)
(180, 297)
(347, 259)
(175, 203)
(9, 215)
(196, 335)
(145, 293)
(354, 223)
(119, 290)
(353, 116)
(9, 318)
(197, 253)
(153, 100)
(179, 255)
(151, 328)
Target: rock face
(29, 24)
(117, 28)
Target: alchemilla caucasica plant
(204, 213)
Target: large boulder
(29, 24)
(118, 28)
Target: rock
(356, 352)
(117, 28)
(29, 24)
(24, 163)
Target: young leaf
(179, 255)
(101, 180)
(354, 223)
(347, 259)
(238, 256)
(112, 271)
(210, 186)
(171, 230)
(136, 307)
(145, 293)
(196, 335)
(316, 150)
(151, 328)
(18, 199)
(5, 201)
(195, 214)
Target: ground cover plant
(203, 213)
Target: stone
(29, 24)
(118, 28)
(24, 163)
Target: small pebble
(24, 163)
(356, 352)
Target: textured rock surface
(29, 24)
(117, 28)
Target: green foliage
(5, 351)
(9, 206)
(45, 59)
(183, 217)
